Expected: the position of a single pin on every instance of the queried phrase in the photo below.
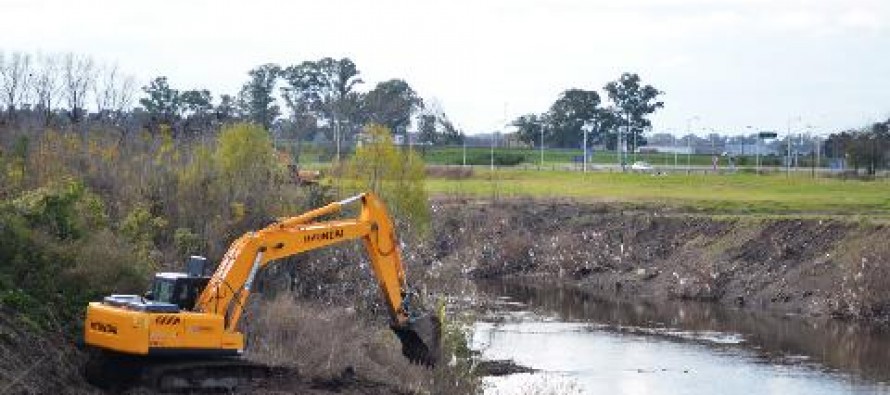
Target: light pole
(493, 140)
(542, 145)
(788, 152)
(689, 142)
(465, 150)
(674, 137)
(618, 146)
(756, 148)
(586, 129)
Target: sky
(729, 66)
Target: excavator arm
(231, 284)
(227, 291)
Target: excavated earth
(829, 266)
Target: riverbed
(588, 343)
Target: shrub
(397, 177)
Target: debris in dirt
(501, 367)
(646, 274)
(770, 262)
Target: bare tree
(45, 84)
(123, 97)
(15, 78)
(105, 87)
(77, 78)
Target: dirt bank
(820, 267)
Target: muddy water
(586, 343)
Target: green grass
(482, 156)
(732, 193)
(312, 153)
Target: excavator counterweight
(185, 327)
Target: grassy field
(531, 156)
(311, 154)
(730, 193)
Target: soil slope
(820, 267)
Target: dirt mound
(36, 361)
(836, 267)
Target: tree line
(621, 122)
(865, 148)
(319, 97)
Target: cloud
(861, 18)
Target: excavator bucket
(421, 339)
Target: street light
(675, 151)
(788, 152)
(689, 142)
(464, 139)
(493, 141)
(586, 128)
(542, 145)
(756, 148)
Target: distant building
(750, 149)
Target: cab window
(163, 291)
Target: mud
(501, 367)
(831, 267)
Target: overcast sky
(731, 63)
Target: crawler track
(117, 372)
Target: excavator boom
(187, 315)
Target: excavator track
(118, 372)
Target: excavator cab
(177, 289)
(180, 289)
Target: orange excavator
(183, 334)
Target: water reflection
(861, 350)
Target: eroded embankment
(822, 267)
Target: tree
(323, 91)
(112, 91)
(341, 77)
(227, 109)
(569, 114)
(246, 160)
(392, 103)
(867, 147)
(396, 177)
(46, 85)
(77, 78)
(256, 95)
(529, 127)
(15, 80)
(449, 134)
(426, 128)
(197, 104)
(303, 95)
(633, 103)
(434, 127)
(163, 102)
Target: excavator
(184, 335)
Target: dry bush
(322, 341)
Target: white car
(641, 166)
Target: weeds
(324, 341)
